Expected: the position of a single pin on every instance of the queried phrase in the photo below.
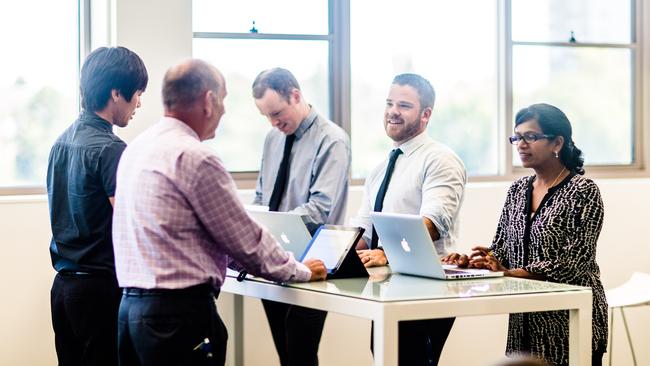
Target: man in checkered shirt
(178, 224)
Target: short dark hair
(554, 122)
(278, 79)
(421, 85)
(184, 85)
(108, 68)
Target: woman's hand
(482, 257)
(461, 260)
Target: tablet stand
(351, 266)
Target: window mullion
(504, 41)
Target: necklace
(556, 178)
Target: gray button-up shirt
(317, 187)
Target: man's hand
(317, 268)
(372, 258)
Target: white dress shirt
(428, 180)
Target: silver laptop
(287, 228)
(410, 250)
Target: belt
(195, 291)
(84, 274)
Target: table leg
(238, 329)
(386, 341)
(580, 335)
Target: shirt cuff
(303, 274)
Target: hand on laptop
(317, 268)
(372, 258)
(461, 260)
(483, 257)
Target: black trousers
(170, 327)
(597, 357)
(420, 341)
(84, 317)
(296, 332)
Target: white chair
(634, 292)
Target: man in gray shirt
(305, 170)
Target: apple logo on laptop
(285, 238)
(405, 245)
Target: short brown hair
(278, 79)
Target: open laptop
(287, 228)
(410, 250)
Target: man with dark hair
(310, 178)
(178, 224)
(81, 185)
(421, 177)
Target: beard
(409, 129)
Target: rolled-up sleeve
(443, 188)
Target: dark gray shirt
(317, 187)
(80, 179)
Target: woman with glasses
(548, 231)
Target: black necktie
(283, 175)
(379, 201)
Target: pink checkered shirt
(178, 222)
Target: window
(38, 85)
(451, 46)
(241, 49)
(579, 56)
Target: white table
(387, 299)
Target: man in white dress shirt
(421, 177)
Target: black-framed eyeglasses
(529, 137)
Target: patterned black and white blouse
(559, 242)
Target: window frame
(340, 75)
(637, 166)
(338, 39)
(640, 81)
(83, 49)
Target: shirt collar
(306, 123)
(410, 146)
(179, 125)
(95, 120)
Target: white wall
(27, 336)
(160, 32)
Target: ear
(115, 95)
(426, 114)
(208, 103)
(296, 96)
(558, 143)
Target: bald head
(193, 92)
(187, 83)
